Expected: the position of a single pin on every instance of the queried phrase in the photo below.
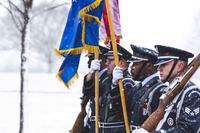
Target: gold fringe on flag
(87, 17)
(72, 51)
(86, 47)
(70, 82)
(91, 49)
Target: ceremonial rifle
(174, 88)
(78, 126)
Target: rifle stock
(174, 88)
(78, 126)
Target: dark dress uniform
(89, 91)
(183, 114)
(141, 99)
(111, 114)
(104, 90)
(144, 99)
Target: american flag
(104, 27)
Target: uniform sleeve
(155, 99)
(189, 117)
(128, 84)
(88, 87)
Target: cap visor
(160, 62)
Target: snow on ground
(49, 108)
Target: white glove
(95, 65)
(140, 130)
(117, 75)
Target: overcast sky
(150, 22)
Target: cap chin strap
(169, 74)
(143, 66)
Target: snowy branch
(13, 5)
(47, 9)
(12, 16)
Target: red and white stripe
(104, 27)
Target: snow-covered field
(49, 106)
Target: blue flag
(81, 33)
(68, 70)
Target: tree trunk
(23, 67)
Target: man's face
(110, 64)
(123, 63)
(103, 62)
(135, 70)
(165, 69)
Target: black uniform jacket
(141, 99)
(183, 114)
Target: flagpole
(96, 55)
(121, 89)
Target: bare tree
(47, 21)
(20, 16)
(10, 35)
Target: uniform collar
(102, 71)
(146, 80)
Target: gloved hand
(140, 130)
(117, 75)
(95, 65)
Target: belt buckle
(132, 127)
(101, 125)
(92, 118)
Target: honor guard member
(111, 116)
(143, 98)
(182, 115)
(89, 87)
